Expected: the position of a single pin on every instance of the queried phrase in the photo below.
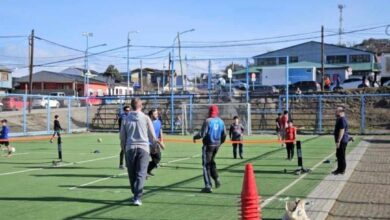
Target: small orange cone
(250, 209)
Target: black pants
(209, 165)
(290, 150)
(56, 133)
(340, 155)
(240, 151)
(121, 155)
(156, 158)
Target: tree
(234, 67)
(112, 73)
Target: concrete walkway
(363, 192)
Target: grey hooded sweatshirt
(137, 131)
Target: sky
(158, 22)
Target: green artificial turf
(45, 192)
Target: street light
(128, 61)
(173, 71)
(87, 35)
(181, 66)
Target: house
(299, 71)
(45, 82)
(361, 62)
(5, 79)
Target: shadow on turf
(378, 141)
(115, 205)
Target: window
(293, 59)
(282, 60)
(267, 61)
(336, 59)
(3, 76)
(359, 58)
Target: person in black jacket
(57, 128)
(236, 133)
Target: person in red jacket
(291, 134)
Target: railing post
(69, 115)
(24, 115)
(362, 114)
(48, 114)
(191, 115)
(320, 114)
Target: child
(4, 137)
(277, 123)
(57, 128)
(155, 152)
(291, 133)
(236, 133)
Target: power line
(13, 36)
(57, 44)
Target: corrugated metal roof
(54, 77)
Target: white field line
(15, 154)
(63, 165)
(121, 174)
(267, 201)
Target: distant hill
(377, 46)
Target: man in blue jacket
(213, 135)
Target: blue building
(5, 80)
(361, 62)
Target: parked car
(263, 90)
(1, 106)
(240, 85)
(45, 102)
(57, 94)
(306, 86)
(387, 83)
(351, 83)
(91, 100)
(13, 103)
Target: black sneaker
(206, 190)
(217, 183)
(150, 174)
(241, 157)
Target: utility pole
(181, 65)
(341, 7)
(31, 65)
(322, 58)
(141, 78)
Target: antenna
(341, 31)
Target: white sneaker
(137, 202)
(122, 167)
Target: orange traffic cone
(250, 209)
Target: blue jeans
(137, 161)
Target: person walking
(136, 134)
(283, 126)
(291, 134)
(236, 134)
(213, 135)
(155, 152)
(341, 138)
(121, 116)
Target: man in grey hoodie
(136, 135)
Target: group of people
(141, 138)
(286, 133)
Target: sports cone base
(250, 209)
